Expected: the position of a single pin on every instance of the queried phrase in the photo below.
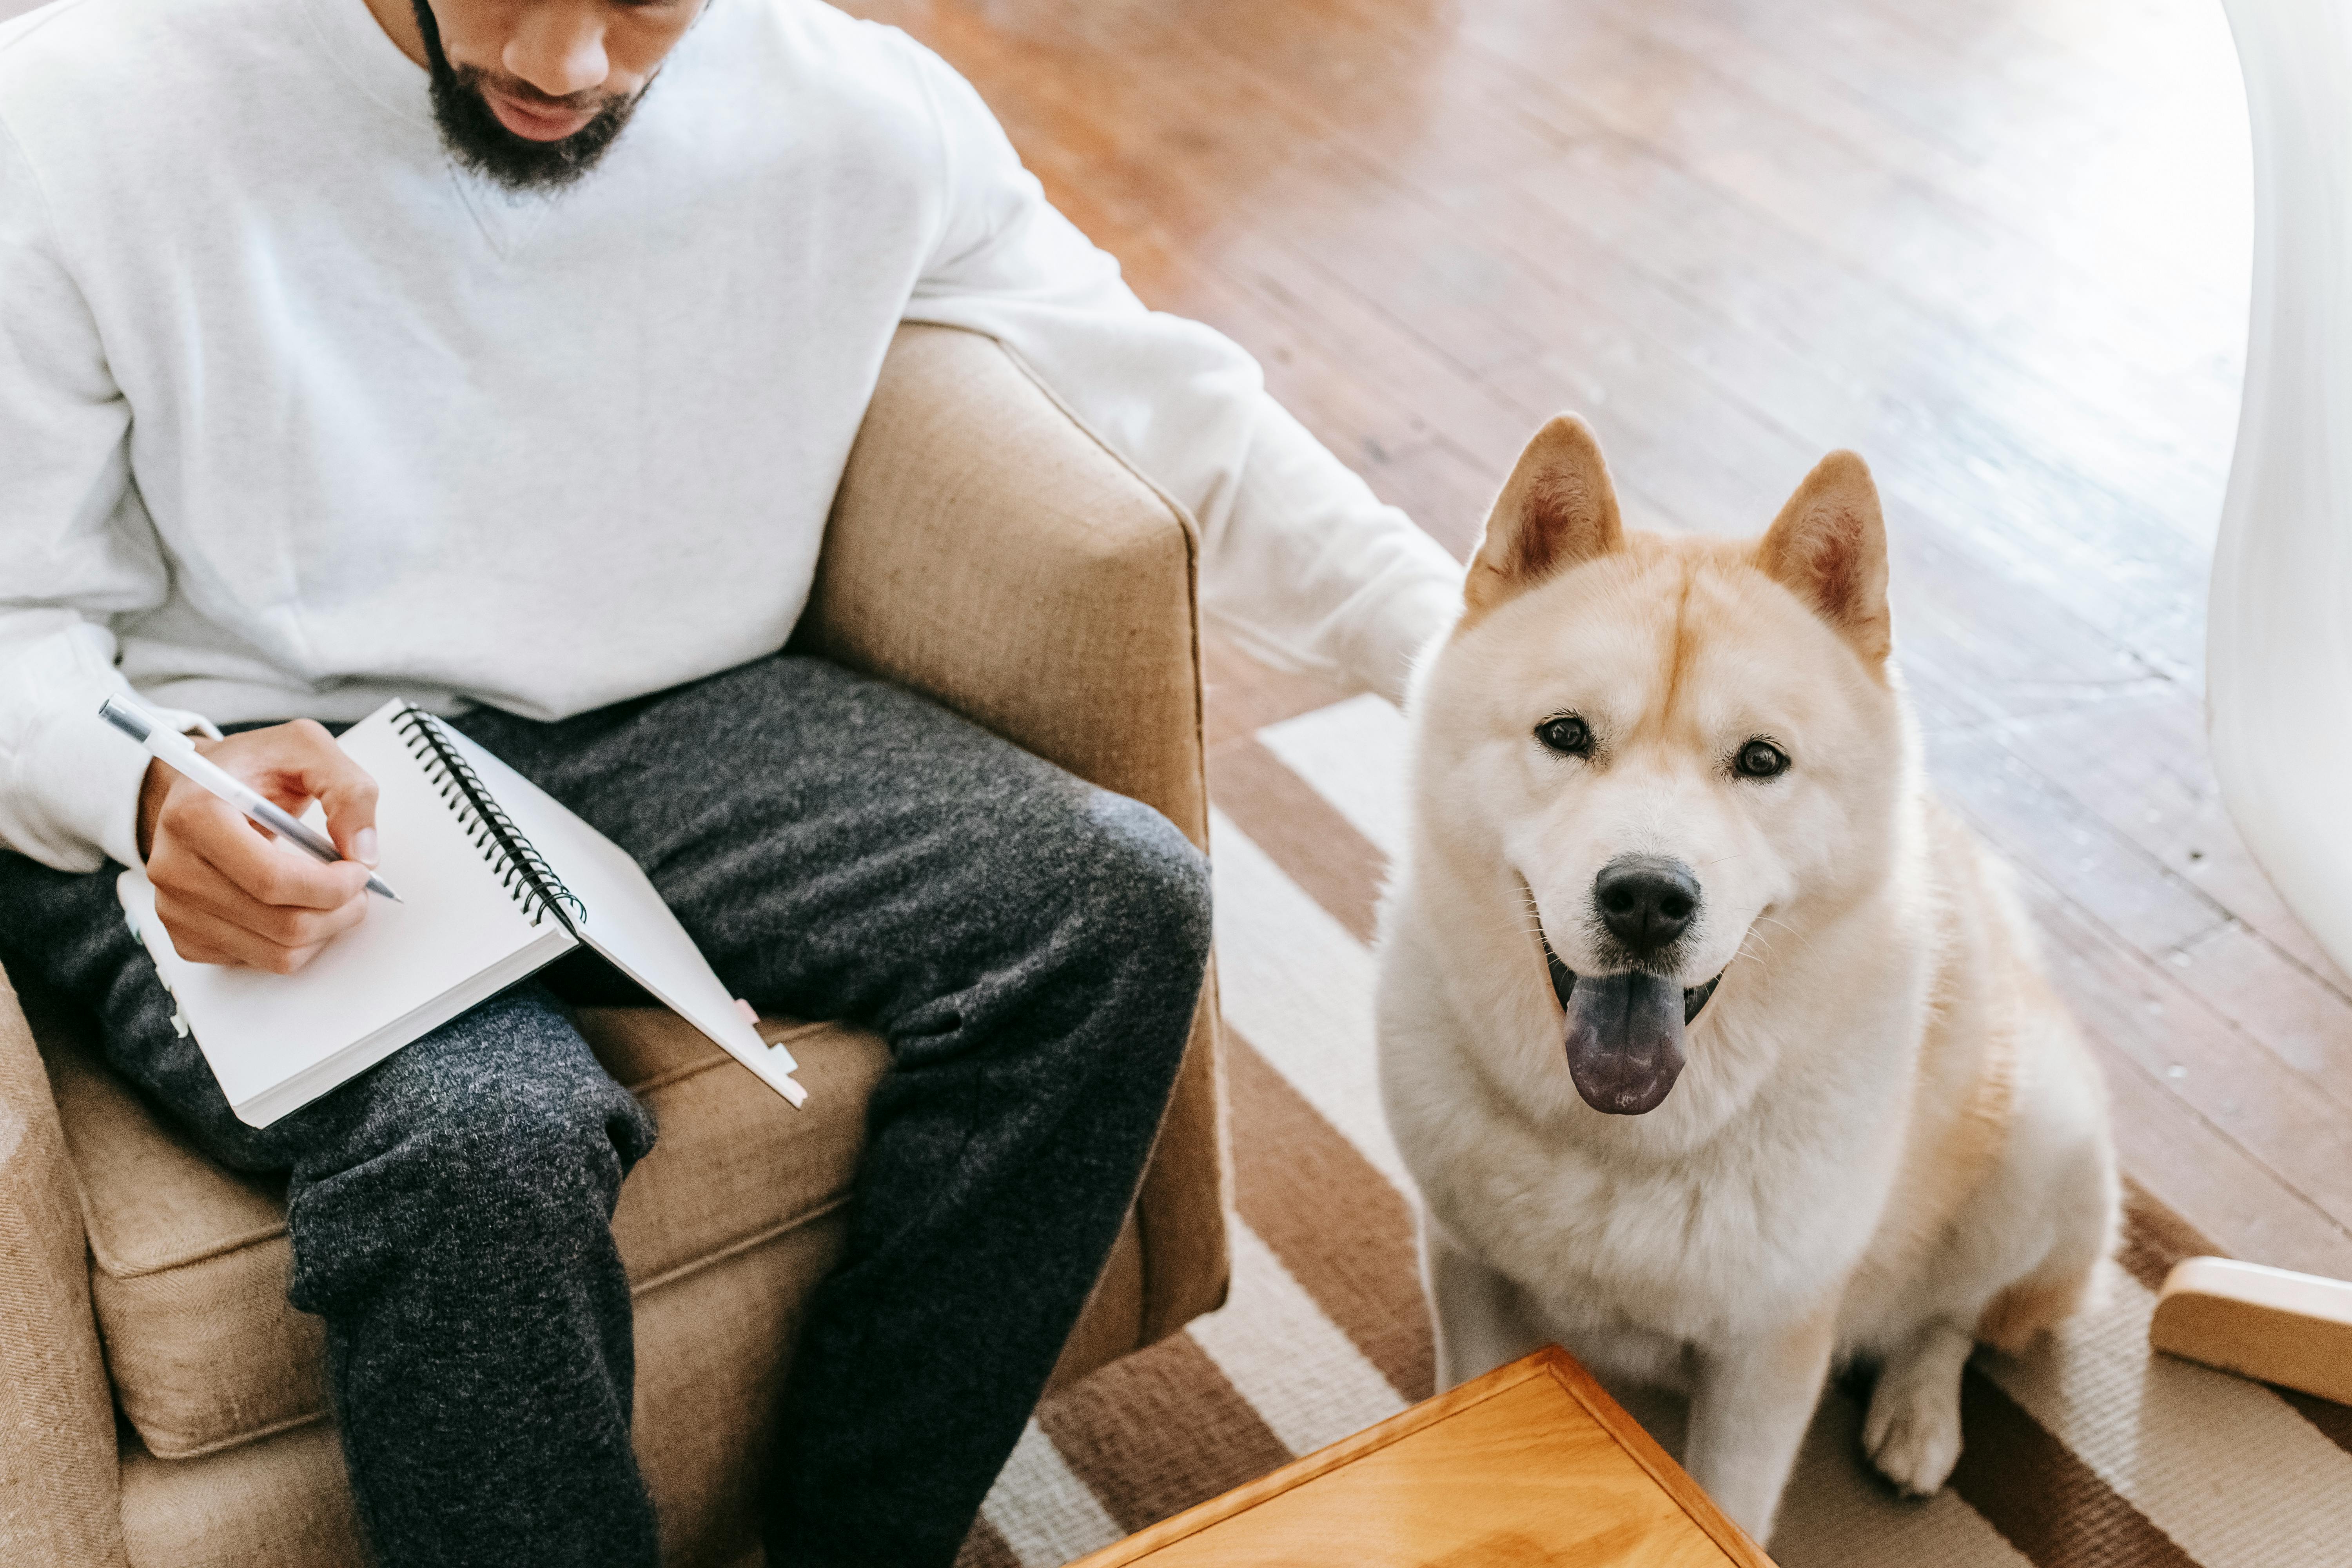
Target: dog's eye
(1567, 735)
(1761, 760)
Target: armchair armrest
(986, 550)
(58, 1500)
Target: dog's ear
(1828, 547)
(1556, 509)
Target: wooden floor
(1997, 245)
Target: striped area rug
(2089, 1453)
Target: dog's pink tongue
(1624, 1040)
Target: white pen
(178, 753)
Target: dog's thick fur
(1888, 1142)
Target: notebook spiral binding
(526, 877)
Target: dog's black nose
(1645, 900)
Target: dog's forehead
(1745, 646)
(1607, 616)
(1683, 630)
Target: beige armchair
(161, 1403)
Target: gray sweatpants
(1031, 947)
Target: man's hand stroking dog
(1720, 1050)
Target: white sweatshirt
(295, 416)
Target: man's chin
(515, 144)
(521, 150)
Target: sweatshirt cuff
(94, 772)
(121, 777)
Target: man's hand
(225, 892)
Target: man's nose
(1645, 900)
(558, 46)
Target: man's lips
(535, 123)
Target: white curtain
(2279, 638)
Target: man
(505, 354)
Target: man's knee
(1145, 891)
(490, 1147)
(534, 1142)
(1130, 941)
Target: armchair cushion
(189, 1261)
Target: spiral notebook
(498, 879)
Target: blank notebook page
(456, 921)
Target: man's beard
(471, 130)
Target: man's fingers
(212, 830)
(202, 937)
(200, 886)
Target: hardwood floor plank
(2028, 182)
(1580, 77)
(2303, 1023)
(2129, 892)
(2138, 759)
(2039, 525)
(2141, 1018)
(2196, 1171)
(1704, 107)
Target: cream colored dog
(1720, 1050)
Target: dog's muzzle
(1625, 1031)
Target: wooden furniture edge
(1322, 1461)
(2271, 1324)
(1549, 1361)
(1643, 1451)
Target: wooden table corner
(1532, 1464)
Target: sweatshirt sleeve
(1300, 563)
(75, 549)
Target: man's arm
(75, 547)
(1300, 562)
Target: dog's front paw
(1913, 1431)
